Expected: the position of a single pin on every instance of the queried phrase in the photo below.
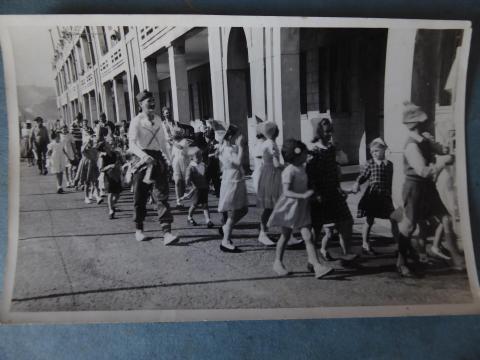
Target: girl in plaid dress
(329, 205)
(376, 201)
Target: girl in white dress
(233, 201)
(292, 210)
(269, 179)
(57, 156)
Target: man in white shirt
(148, 143)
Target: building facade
(358, 78)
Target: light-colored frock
(233, 190)
(257, 161)
(290, 212)
(57, 158)
(269, 186)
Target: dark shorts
(421, 200)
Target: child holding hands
(376, 201)
(196, 178)
(292, 210)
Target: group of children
(298, 189)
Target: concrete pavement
(72, 257)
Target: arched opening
(238, 82)
(136, 90)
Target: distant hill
(36, 101)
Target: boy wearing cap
(40, 139)
(420, 196)
(147, 142)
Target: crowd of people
(298, 187)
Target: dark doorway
(238, 83)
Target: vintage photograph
(223, 167)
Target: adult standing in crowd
(147, 142)
(39, 140)
(76, 131)
(26, 145)
(105, 128)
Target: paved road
(72, 257)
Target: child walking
(233, 201)
(330, 206)
(269, 187)
(88, 173)
(180, 163)
(110, 165)
(376, 201)
(196, 178)
(292, 210)
(58, 159)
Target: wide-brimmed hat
(28, 122)
(38, 119)
(145, 94)
(413, 114)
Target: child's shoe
(169, 239)
(264, 239)
(321, 270)
(210, 224)
(191, 221)
(87, 200)
(139, 236)
(280, 269)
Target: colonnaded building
(357, 77)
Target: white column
(120, 106)
(257, 75)
(283, 81)
(179, 82)
(215, 54)
(398, 88)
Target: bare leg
(264, 219)
(325, 239)
(262, 236)
(367, 226)
(435, 249)
(278, 266)
(345, 234)
(206, 214)
(318, 266)
(450, 243)
(110, 203)
(59, 177)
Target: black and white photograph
(275, 165)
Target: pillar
(109, 105)
(152, 81)
(92, 101)
(86, 108)
(179, 82)
(216, 72)
(283, 80)
(120, 106)
(398, 88)
(257, 72)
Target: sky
(33, 55)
